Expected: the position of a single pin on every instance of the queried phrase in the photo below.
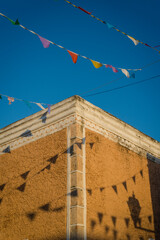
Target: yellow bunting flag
(96, 64)
(133, 39)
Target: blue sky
(30, 72)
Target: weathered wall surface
(33, 190)
(119, 205)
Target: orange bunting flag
(10, 99)
(73, 55)
(96, 64)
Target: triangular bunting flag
(17, 22)
(132, 75)
(115, 188)
(27, 103)
(106, 229)
(125, 185)
(73, 55)
(93, 223)
(2, 186)
(134, 178)
(22, 187)
(150, 219)
(125, 72)
(89, 191)
(48, 167)
(114, 70)
(108, 66)
(102, 188)
(110, 25)
(10, 99)
(96, 64)
(24, 175)
(14, 23)
(127, 222)
(31, 216)
(53, 159)
(1, 97)
(141, 172)
(79, 145)
(133, 39)
(147, 45)
(100, 217)
(91, 145)
(45, 207)
(40, 105)
(114, 220)
(49, 108)
(84, 10)
(7, 150)
(44, 41)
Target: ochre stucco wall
(37, 210)
(108, 166)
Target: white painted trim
(84, 185)
(76, 109)
(76, 171)
(74, 206)
(77, 224)
(68, 183)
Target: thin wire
(128, 85)
(100, 86)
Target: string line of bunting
(46, 43)
(47, 206)
(110, 26)
(28, 103)
(114, 187)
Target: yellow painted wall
(110, 168)
(34, 208)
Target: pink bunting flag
(44, 41)
(10, 99)
(84, 10)
(113, 68)
(73, 55)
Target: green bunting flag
(14, 23)
(27, 103)
(0, 97)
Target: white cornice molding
(77, 109)
(111, 127)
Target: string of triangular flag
(46, 43)
(115, 186)
(12, 99)
(110, 26)
(127, 219)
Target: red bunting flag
(84, 10)
(73, 55)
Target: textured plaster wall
(33, 189)
(110, 171)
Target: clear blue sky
(30, 72)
